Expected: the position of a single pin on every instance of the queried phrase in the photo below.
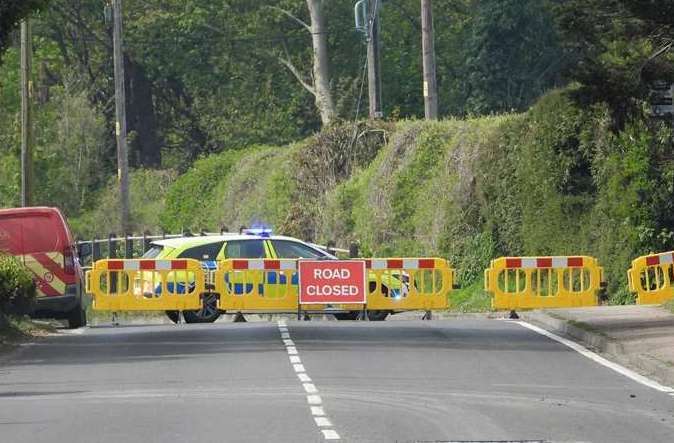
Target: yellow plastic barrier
(399, 284)
(146, 285)
(405, 284)
(543, 282)
(651, 277)
(264, 285)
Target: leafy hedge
(17, 289)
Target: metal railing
(135, 246)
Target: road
(357, 381)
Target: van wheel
(77, 318)
(208, 312)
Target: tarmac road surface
(441, 380)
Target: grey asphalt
(379, 381)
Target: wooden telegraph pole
(428, 51)
(120, 113)
(374, 60)
(26, 124)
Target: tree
(319, 85)
(617, 50)
(11, 13)
(511, 55)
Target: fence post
(146, 242)
(353, 250)
(112, 250)
(128, 246)
(330, 247)
(94, 250)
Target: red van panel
(39, 237)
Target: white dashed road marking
(303, 377)
(329, 434)
(313, 399)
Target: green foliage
(17, 289)
(11, 13)
(189, 200)
(147, 190)
(471, 298)
(511, 55)
(617, 50)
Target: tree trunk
(141, 117)
(321, 69)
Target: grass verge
(15, 330)
(472, 298)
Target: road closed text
(335, 281)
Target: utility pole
(374, 60)
(428, 51)
(26, 124)
(120, 114)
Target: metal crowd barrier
(651, 277)
(544, 282)
(146, 285)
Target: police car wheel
(173, 316)
(371, 315)
(207, 314)
(377, 315)
(351, 315)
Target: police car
(249, 244)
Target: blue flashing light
(262, 232)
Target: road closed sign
(332, 281)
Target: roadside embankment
(16, 330)
(638, 337)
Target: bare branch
(298, 75)
(285, 61)
(292, 16)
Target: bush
(17, 289)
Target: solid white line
(310, 388)
(78, 331)
(303, 377)
(314, 399)
(295, 359)
(599, 359)
(292, 350)
(322, 421)
(317, 410)
(288, 342)
(299, 368)
(329, 434)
